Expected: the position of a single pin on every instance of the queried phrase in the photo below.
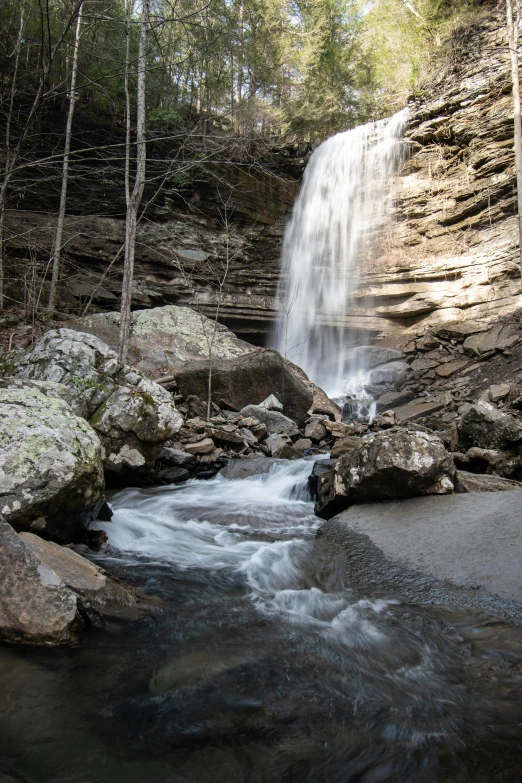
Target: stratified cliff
(451, 253)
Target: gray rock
(497, 338)
(394, 399)
(276, 423)
(488, 428)
(35, 605)
(177, 458)
(302, 445)
(473, 482)
(345, 445)
(394, 464)
(320, 467)
(315, 430)
(369, 356)
(281, 446)
(468, 540)
(205, 446)
(272, 404)
(90, 582)
(51, 471)
(499, 391)
(245, 468)
(132, 415)
(418, 409)
(165, 337)
(250, 379)
(459, 330)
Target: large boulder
(132, 415)
(488, 428)
(394, 464)
(35, 605)
(94, 586)
(51, 470)
(248, 380)
(164, 338)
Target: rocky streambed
(205, 623)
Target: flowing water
(342, 207)
(267, 660)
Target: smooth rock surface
(469, 539)
(482, 482)
(35, 605)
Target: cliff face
(450, 254)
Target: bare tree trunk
(17, 50)
(57, 253)
(512, 29)
(139, 184)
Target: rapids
(267, 659)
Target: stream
(264, 659)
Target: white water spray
(343, 203)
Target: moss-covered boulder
(132, 415)
(51, 470)
(164, 338)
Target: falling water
(344, 202)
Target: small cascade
(342, 207)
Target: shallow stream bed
(268, 658)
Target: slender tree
(135, 196)
(57, 251)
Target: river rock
(302, 445)
(177, 458)
(275, 423)
(35, 605)
(249, 380)
(245, 468)
(205, 446)
(393, 464)
(94, 585)
(281, 446)
(272, 404)
(51, 471)
(321, 466)
(488, 428)
(164, 338)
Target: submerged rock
(35, 605)
(51, 471)
(394, 464)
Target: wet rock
(345, 445)
(51, 471)
(165, 337)
(394, 399)
(175, 475)
(244, 468)
(488, 428)
(90, 582)
(315, 430)
(321, 466)
(177, 458)
(249, 380)
(35, 605)
(471, 482)
(394, 464)
(275, 423)
(369, 356)
(281, 446)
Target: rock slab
(472, 540)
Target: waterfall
(343, 204)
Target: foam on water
(261, 527)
